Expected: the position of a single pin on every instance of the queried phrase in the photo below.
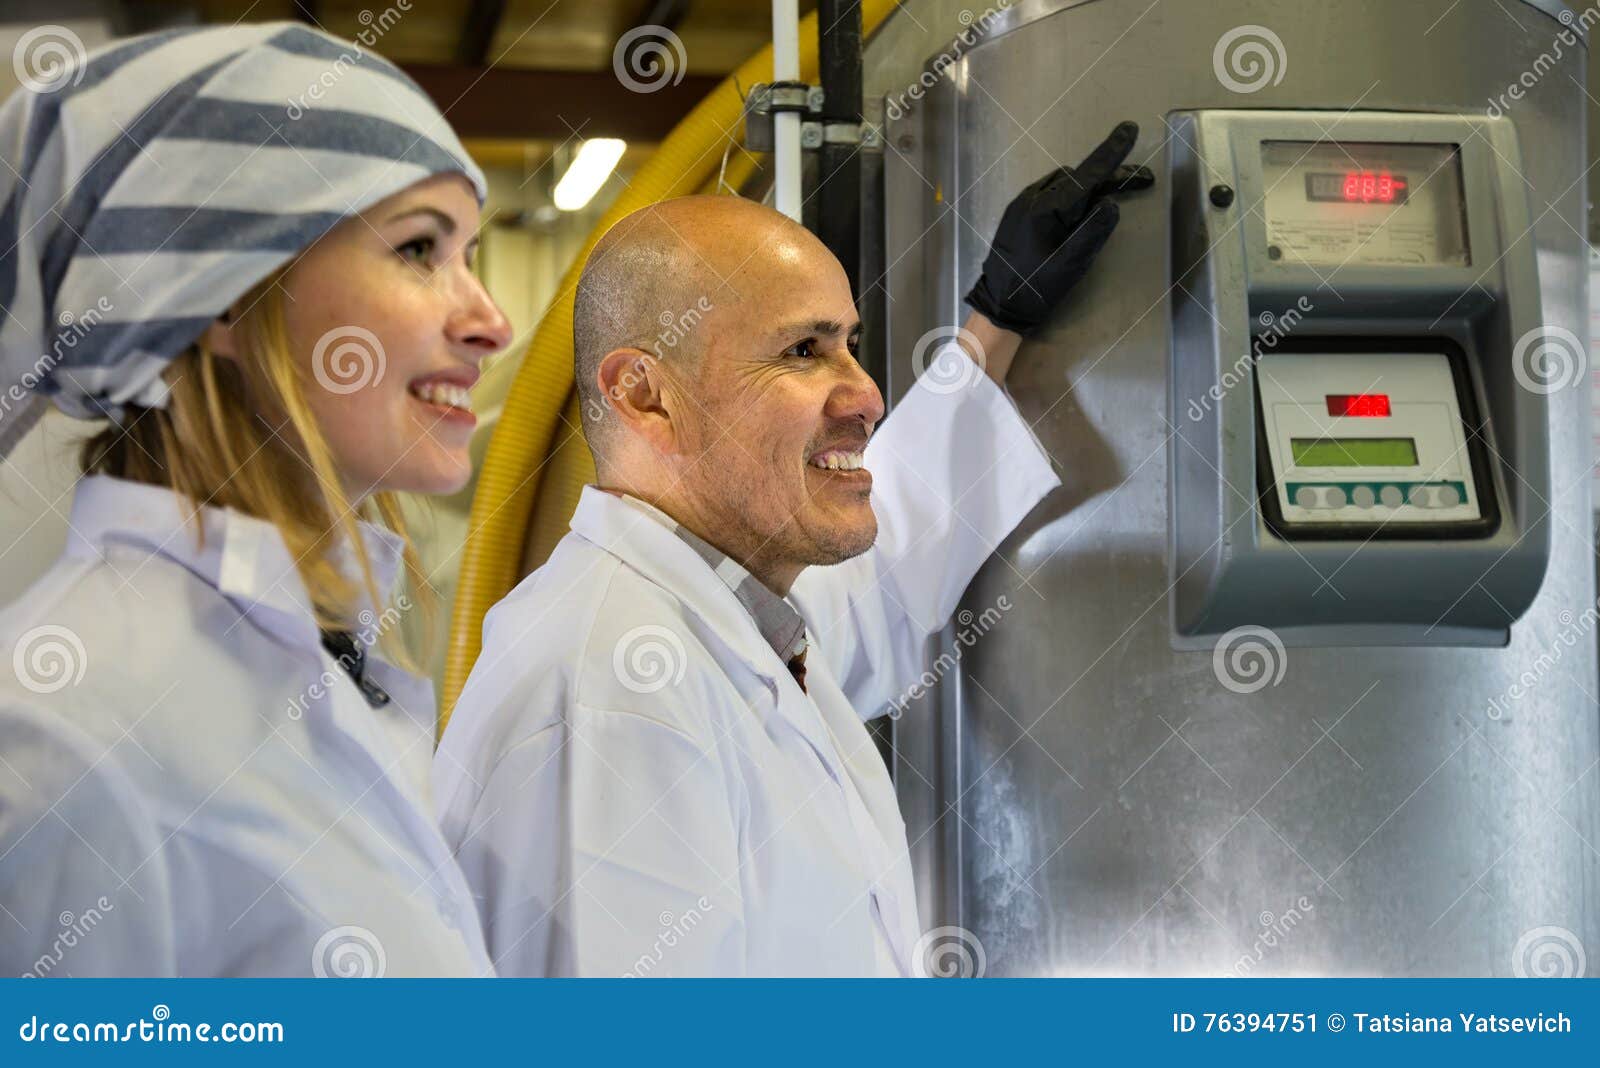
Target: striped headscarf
(151, 185)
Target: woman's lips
(446, 401)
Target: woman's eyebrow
(446, 223)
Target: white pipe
(786, 124)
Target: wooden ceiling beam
(477, 35)
(506, 102)
(668, 14)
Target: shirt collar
(244, 557)
(780, 625)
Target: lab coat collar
(244, 557)
(644, 543)
(774, 617)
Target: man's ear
(633, 384)
(218, 336)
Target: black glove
(1051, 233)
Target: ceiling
(521, 70)
(717, 35)
(519, 63)
(522, 81)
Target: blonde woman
(251, 249)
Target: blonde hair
(216, 444)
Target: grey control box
(1353, 460)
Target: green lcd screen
(1354, 452)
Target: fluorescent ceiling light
(590, 168)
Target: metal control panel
(1354, 462)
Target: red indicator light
(1359, 404)
(1373, 187)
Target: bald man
(659, 765)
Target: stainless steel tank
(1082, 797)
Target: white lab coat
(635, 785)
(189, 784)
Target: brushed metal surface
(1082, 798)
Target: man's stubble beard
(789, 540)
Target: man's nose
(856, 396)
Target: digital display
(1354, 452)
(1358, 405)
(1360, 204)
(1357, 187)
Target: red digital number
(1368, 187)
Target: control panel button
(1419, 497)
(1333, 497)
(1305, 497)
(1449, 497)
(1390, 496)
(1363, 497)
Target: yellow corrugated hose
(536, 453)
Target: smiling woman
(210, 730)
(346, 414)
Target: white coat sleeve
(953, 474)
(84, 888)
(605, 846)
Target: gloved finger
(1103, 162)
(1091, 234)
(1126, 180)
(1045, 183)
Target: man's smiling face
(779, 411)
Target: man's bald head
(654, 277)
